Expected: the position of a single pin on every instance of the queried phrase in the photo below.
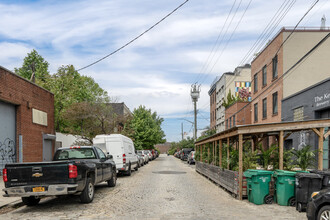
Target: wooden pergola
(256, 133)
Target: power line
(125, 45)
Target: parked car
(122, 149)
(140, 160)
(145, 156)
(73, 170)
(150, 155)
(191, 157)
(319, 205)
(185, 152)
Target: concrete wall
(220, 110)
(312, 70)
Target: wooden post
(228, 153)
(280, 141)
(208, 154)
(201, 155)
(220, 153)
(213, 143)
(320, 162)
(240, 165)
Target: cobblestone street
(166, 188)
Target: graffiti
(7, 151)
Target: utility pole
(194, 92)
(182, 129)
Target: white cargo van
(121, 148)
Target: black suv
(319, 205)
(185, 152)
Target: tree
(70, 87)
(231, 99)
(144, 128)
(34, 62)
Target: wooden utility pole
(240, 165)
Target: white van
(121, 148)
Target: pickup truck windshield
(77, 153)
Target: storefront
(309, 104)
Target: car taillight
(124, 158)
(73, 173)
(4, 175)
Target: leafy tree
(34, 62)
(144, 128)
(209, 132)
(70, 87)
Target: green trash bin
(258, 185)
(285, 187)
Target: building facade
(27, 131)
(230, 82)
(212, 94)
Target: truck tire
(87, 195)
(113, 180)
(30, 201)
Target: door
(47, 150)
(106, 169)
(7, 134)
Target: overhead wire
(134, 39)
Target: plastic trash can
(285, 187)
(258, 185)
(325, 177)
(306, 184)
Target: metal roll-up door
(7, 134)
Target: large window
(255, 83)
(256, 112)
(275, 105)
(234, 120)
(264, 108)
(275, 67)
(264, 76)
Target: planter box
(227, 179)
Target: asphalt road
(166, 188)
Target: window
(275, 67)
(227, 124)
(234, 120)
(264, 76)
(275, 103)
(101, 154)
(298, 114)
(230, 122)
(255, 81)
(256, 112)
(264, 108)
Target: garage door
(7, 134)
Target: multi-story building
(290, 82)
(230, 82)
(212, 94)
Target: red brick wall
(26, 95)
(265, 58)
(243, 116)
(213, 110)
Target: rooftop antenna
(323, 19)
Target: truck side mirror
(109, 156)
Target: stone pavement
(166, 188)
(6, 200)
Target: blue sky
(157, 69)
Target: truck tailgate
(20, 174)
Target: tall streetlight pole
(194, 92)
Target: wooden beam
(220, 153)
(228, 153)
(280, 141)
(320, 162)
(317, 132)
(327, 134)
(287, 135)
(240, 166)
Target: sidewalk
(6, 200)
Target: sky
(197, 43)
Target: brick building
(27, 130)
(238, 114)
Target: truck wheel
(113, 180)
(87, 194)
(324, 212)
(30, 201)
